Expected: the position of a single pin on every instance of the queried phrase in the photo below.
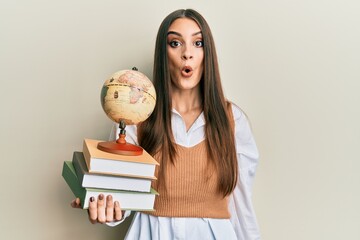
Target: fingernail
(109, 198)
(116, 203)
(92, 199)
(101, 197)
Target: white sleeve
(115, 223)
(131, 133)
(241, 209)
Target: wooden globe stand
(120, 146)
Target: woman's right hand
(101, 210)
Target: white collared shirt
(243, 219)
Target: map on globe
(128, 95)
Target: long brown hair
(155, 134)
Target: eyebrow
(178, 34)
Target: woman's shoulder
(237, 112)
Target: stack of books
(127, 178)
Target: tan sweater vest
(191, 187)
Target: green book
(129, 200)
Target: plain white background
(293, 66)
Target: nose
(187, 53)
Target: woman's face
(185, 54)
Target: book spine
(87, 156)
(80, 171)
(72, 181)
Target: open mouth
(187, 71)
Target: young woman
(203, 142)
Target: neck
(188, 104)
(187, 101)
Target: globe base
(127, 149)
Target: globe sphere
(129, 96)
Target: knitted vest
(191, 187)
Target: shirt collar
(199, 122)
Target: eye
(199, 43)
(174, 43)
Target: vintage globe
(128, 95)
